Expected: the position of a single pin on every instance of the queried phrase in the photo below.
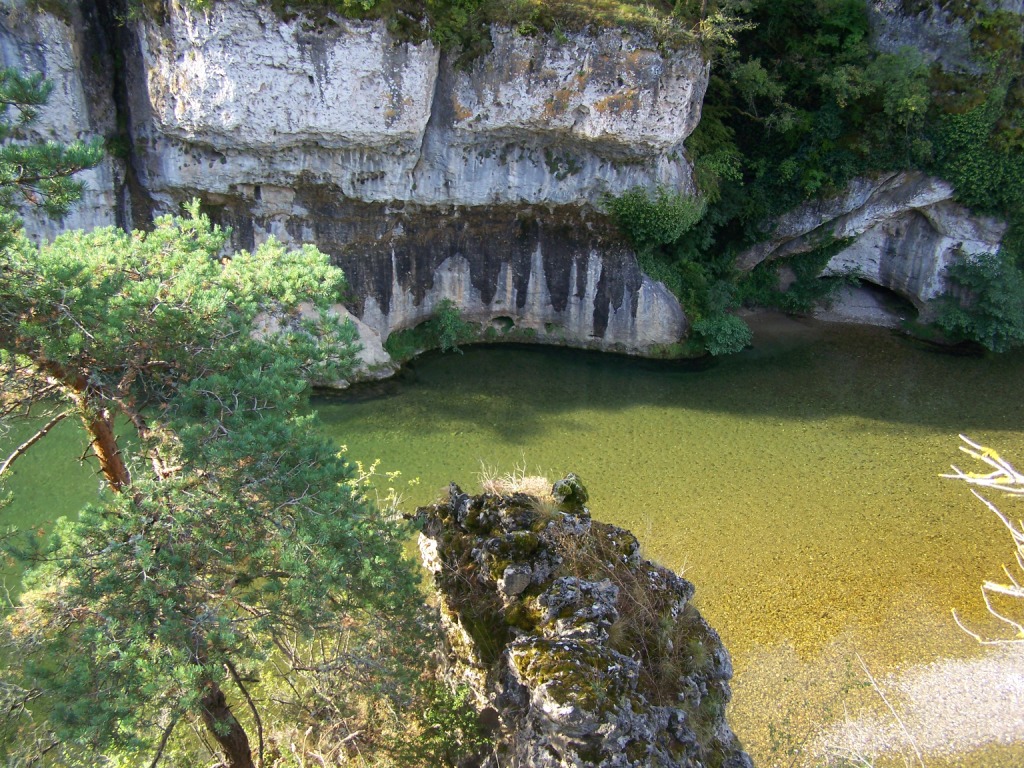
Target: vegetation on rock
(987, 304)
(802, 104)
(464, 25)
(445, 330)
(584, 648)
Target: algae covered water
(796, 484)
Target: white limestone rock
(906, 227)
(239, 97)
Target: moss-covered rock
(589, 654)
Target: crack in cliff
(439, 119)
(134, 206)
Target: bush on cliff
(654, 218)
(987, 303)
(445, 330)
(464, 26)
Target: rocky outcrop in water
(585, 653)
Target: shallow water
(796, 484)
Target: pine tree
(230, 525)
(35, 173)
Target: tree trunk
(104, 445)
(98, 423)
(225, 728)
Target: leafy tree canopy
(234, 524)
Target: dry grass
(492, 480)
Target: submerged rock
(589, 654)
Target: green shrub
(988, 174)
(760, 287)
(653, 218)
(723, 334)
(986, 304)
(406, 344)
(448, 327)
(450, 730)
(445, 330)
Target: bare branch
(163, 742)
(21, 449)
(1008, 480)
(899, 720)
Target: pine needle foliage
(232, 525)
(35, 173)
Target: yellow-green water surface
(795, 484)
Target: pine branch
(163, 742)
(21, 449)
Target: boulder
(588, 654)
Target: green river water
(796, 484)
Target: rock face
(935, 30)
(906, 227)
(586, 653)
(421, 179)
(424, 181)
(238, 97)
(80, 106)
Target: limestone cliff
(427, 181)
(905, 229)
(581, 651)
(422, 180)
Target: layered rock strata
(425, 181)
(584, 652)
